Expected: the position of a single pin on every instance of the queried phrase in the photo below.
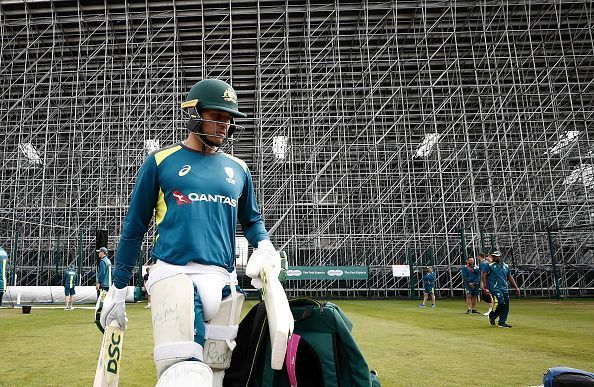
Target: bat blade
(108, 364)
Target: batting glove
(264, 255)
(114, 307)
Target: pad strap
(219, 332)
(180, 350)
(291, 358)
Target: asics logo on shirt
(184, 170)
(181, 199)
(230, 173)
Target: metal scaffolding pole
(375, 130)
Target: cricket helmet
(213, 94)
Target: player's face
(471, 261)
(216, 124)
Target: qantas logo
(184, 171)
(182, 199)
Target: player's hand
(114, 307)
(264, 255)
(472, 286)
(517, 291)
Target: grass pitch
(407, 345)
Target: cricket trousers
(502, 308)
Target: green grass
(407, 345)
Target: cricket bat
(280, 318)
(108, 365)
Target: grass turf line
(407, 345)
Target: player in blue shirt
(484, 262)
(428, 287)
(104, 275)
(3, 273)
(198, 194)
(494, 280)
(471, 278)
(104, 281)
(69, 282)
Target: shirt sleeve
(464, 275)
(101, 272)
(249, 215)
(140, 212)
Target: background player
(69, 282)
(494, 280)
(471, 277)
(429, 287)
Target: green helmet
(213, 94)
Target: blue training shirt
(69, 279)
(471, 275)
(3, 270)
(497, 276)
(483, 265)
(197, 199)
(104, 276)
(429, 280)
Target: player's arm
(464, 275)
(101, 274)
(140, 212)
(513, 282)
(249, 215)
(484, 281)
(250, 218)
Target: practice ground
(407, 345)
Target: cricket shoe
(422, 306)
(504, 325)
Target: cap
(496, 253)
(102, 249)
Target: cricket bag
(321, 352)
(568, 377)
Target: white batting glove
(264, 255)
(114, 307)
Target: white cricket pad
(187, 374)
(221, 332)
(280, 318)
(172, 300)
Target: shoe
(504, 325)
(66, 308)
(468, 311)
(487, 313)
(433, 305)
(147, 307)
(474, 311)
(72, 308)
(422, 306)
(491, 321)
